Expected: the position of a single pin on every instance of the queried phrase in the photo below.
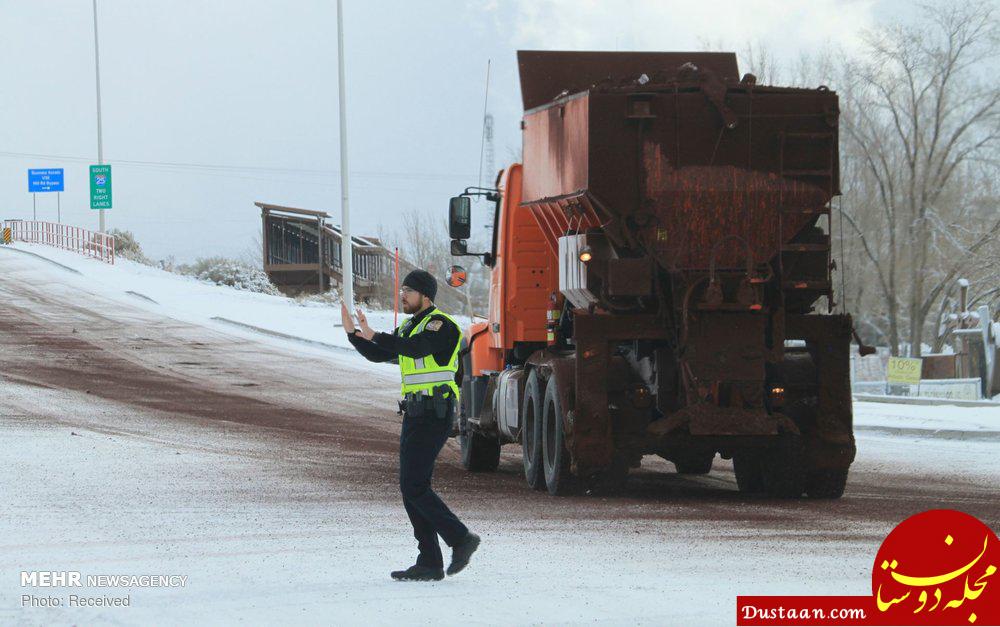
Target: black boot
(461, 552)
(418, 573)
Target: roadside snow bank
(188, 299)
(927, 417)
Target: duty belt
(424, 395)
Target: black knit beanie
(423, 282)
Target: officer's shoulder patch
(435, 325)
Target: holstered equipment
(437, 405)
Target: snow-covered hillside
(188, 299)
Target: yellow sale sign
(904, 370)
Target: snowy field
(268, 528)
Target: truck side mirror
(457, 276)
(460, 217)
(459, 247)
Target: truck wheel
(555, 456)
(480, 453)
(784, 468)
(694, 464)
(749, 471)
(820, 483)
(826, 483)
(612, 480)
(531, 431)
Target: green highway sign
(100, 187)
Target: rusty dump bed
(673, 155)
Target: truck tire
(612, 480)
(480, 453)
(826, 483)
(555, 456)
(694, 464)
(783, 468)
(748, 467)
(531, 431)
(820, 483)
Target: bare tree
(423, 241)
(252, 255)
(757, 58)
(921, 125)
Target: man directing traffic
(426, 347)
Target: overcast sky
(211, 105)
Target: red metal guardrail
(88, 243)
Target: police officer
(426, 346)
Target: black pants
(419, 444)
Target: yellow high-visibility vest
(423, 374)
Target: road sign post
(100, 186)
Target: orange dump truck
(656, 263)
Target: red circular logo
(939, 567)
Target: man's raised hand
(366, 331)
(345, 318)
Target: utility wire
(222, 168)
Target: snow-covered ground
(974, 420)
(262, 544)
(261, 540)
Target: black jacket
(385, 347)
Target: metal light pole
(100, 139)
(346, 246)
